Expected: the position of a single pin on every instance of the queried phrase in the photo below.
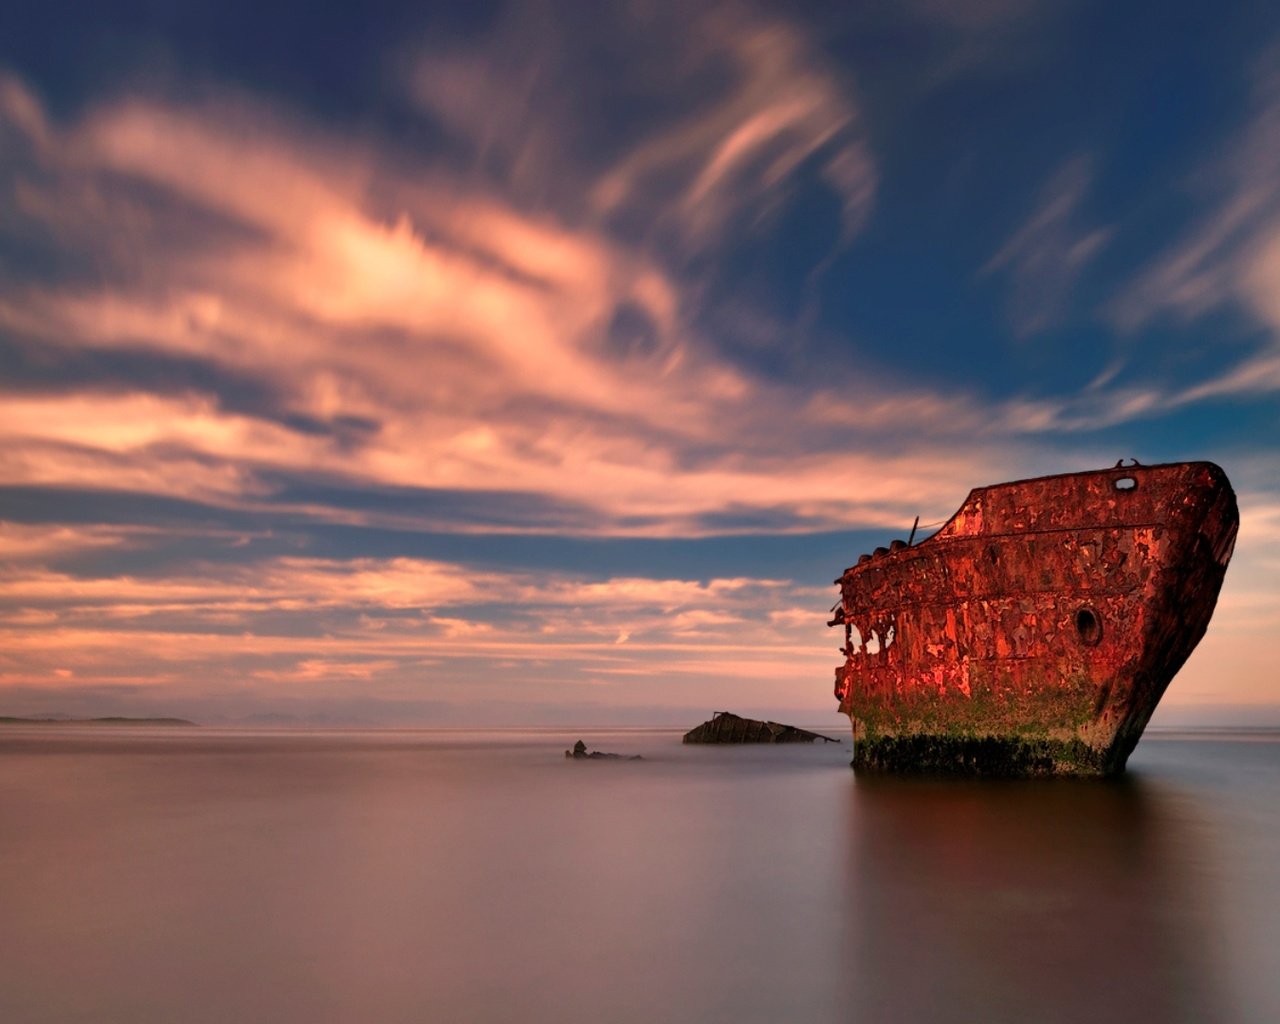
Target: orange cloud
(297, 621)
(411, 329)
(469, 334)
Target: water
(200, 875)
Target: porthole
(1089, 626)
(1125, 483)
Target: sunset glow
(549, 369)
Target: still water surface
(202, 875)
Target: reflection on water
(197, 875)
(1020, 901)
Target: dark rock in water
(726, 727)
(579, 752)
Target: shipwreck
(1036, 631)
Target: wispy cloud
(25, 541)
(225, 311)
(765, 104)
(450, 340)
(352, 623)
(1212, 262)
(1231, 254)
(736, 155)
(405, 326)
(1046, 255)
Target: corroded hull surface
(1034, 633)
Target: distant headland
(113, 720)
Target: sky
(544, 363)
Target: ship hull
(1036, 632)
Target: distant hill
(113, 720)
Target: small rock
(579, 752)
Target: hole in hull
(1089, 626)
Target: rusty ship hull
(1036, 631)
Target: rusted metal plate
(1037, 630)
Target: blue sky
(543, 363)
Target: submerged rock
(579, 752)
(726, 727)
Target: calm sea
(231, 876)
